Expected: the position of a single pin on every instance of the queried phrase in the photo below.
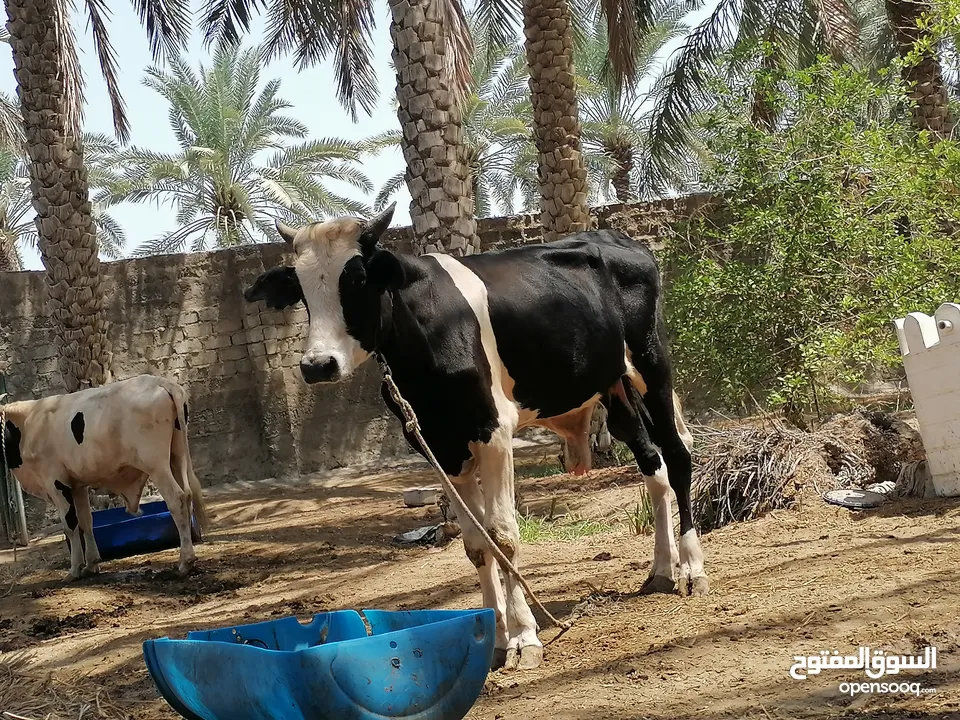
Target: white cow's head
(341, 275)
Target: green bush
(834, 223)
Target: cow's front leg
(524, 649)
(63, 499)
(482, 558)
(88, 544)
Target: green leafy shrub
(834, 223)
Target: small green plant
(622, 453)
(535, 529)
(641, 517)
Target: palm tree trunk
(9, 262)
(548, 28)
(58, 179)
(622, 155)
(926, 87)
(438, 175)
(563, 178)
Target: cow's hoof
(499, 658)
(695, 587)
(72, 576)
(531, 657)
(186, 567)
(658, 584)
(511, 659)
(91, 571)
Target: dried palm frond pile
(744, 471)
(28, 693)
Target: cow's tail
(181, 445)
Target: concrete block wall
(930, 346)
(184, 317)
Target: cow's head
(11, 448)
(340, 274)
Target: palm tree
(548, 28)
(50, 91)
(740, 35)
(429, 38)
(495, 130)
(496, 122)
(17, 227)
(431, 54)
(226, 193)
(614, 119)
(926, 87)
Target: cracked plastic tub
(415, 665)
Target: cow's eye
(355, 280)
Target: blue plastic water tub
(416, 665)
(120, 534)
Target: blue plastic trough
(120, 534)
(416, 665)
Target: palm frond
(224, 21)
(74, 97)
(168, 24)
(377, 143)
(841, 33)
(110, 235)
(98, 15)
(682, 90)
(390, 187)
(11, 124)
(314, 29)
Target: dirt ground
(797, 581)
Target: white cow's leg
(482, 558)
(666, 558)
(524, 649)
(91, 553)
(63, 499)
(178, 502)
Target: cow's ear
(374, 228)
(279, 288)
(385, 271)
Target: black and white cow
(485, 345)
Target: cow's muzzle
(320, 369)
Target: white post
(930, 347)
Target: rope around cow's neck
(413, 427)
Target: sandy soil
(794, 582)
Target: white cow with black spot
(116, 438)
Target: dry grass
(27, 694)
(748, 470)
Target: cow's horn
(286, 232)
(377, 225)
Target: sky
(311, 91)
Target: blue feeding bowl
(416, 665)
(120, 534)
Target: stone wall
(183, 316)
